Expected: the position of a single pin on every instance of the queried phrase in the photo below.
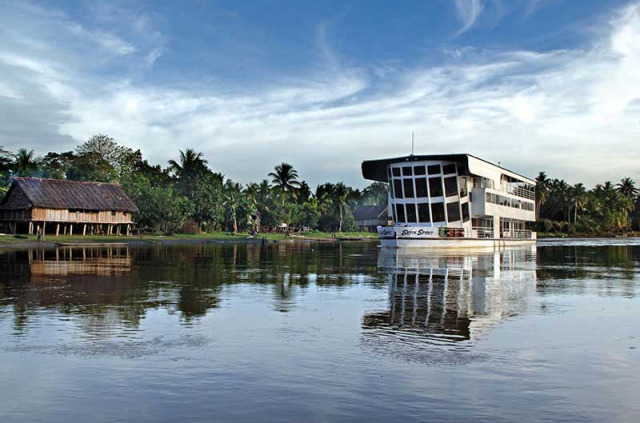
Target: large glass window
(450, 168)
(423, 213)
(421, 187)
(419, 170)
(451, 186)
(407, 171)
(396, 171)
(437, 212)
(397, 188)
(435, 187)
(411, 213)
(465, 212)
(400, 213)
(433, 169)
(453, 212)
(408, 188)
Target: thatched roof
(25, 193)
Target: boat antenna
(412, 143)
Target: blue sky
(535, 84)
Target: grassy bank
(9, 240)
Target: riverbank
(30, 241)
(629, 234)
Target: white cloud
(569, 112)
(468, 11)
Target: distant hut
(66, 207)
(368, 218)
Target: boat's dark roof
(376, 170)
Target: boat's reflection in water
(446, 300)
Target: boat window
(450, 168)
(437, 212)
(397, 188)
(423, 213)
(407, 171)
(433, 169)
(435, 187)
(419, 170)
(465, 212)
(421, 187)
(400, 213)
(408, 188)
(396, 171)
(411, 213)
(451, 186)
(463, 187)
(453, 212)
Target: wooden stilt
(57, 229)
(84, 230)
(71, 229)
(30, 228)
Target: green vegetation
(604, 210)
(187, 197)
(8, 240)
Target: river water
(320, 332)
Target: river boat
(453, 201)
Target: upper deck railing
(516, 190)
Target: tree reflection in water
(112, 288)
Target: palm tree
(628, 188)
(251, 203)
(542, 191)
(25, 162)
(559, 197)
(190, 163)
(232, 202)
(340, 195)
(578, 195)
(285, 177)
(187, 170)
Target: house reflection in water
(47, 264)
(446, 298)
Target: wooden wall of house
(72, 216)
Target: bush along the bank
(606, 209)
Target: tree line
(187, 196)
(606, 208)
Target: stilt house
(65, 207)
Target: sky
(537, 85)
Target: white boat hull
(430, 237)
(456, 243)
